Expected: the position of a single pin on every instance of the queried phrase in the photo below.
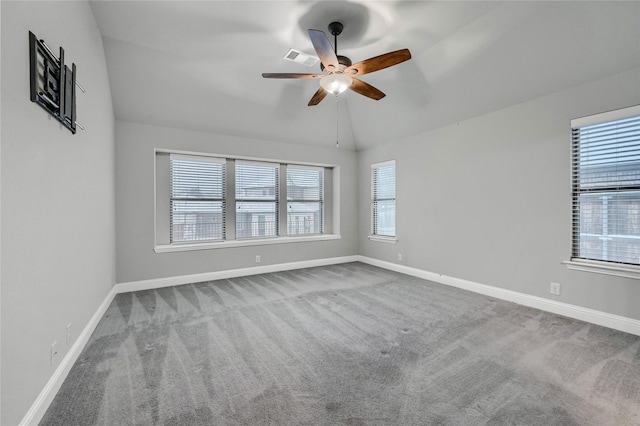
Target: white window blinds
(256, 199)
(383, 178)
(606, 187)
(197, 199)
(304, 200)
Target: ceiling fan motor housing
(342, 60)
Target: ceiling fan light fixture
(335, 83)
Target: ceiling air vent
(301, 58)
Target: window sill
(626, 271)
(382, 239)
(167, 248)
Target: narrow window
(383, 204)
(256, 199)
(304, 200)
(197, 199)
(606, 186)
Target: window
(383, 203)
(197, 199)
(256, 200)
(203, 201)
(606, 186)
(304, 200)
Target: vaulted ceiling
(197, 65)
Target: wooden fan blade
(366, 89)
(324, 50)
(378, 62)
(317, 97)
(290, 75)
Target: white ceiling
(197, 65)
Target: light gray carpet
(345, 345)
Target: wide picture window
(606, 187)
(205, 201)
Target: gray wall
(488, 199)
(136, 260)
(58, 218)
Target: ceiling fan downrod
(335, 28)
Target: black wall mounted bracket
(53, 84)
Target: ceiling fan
(338, 73)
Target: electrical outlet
(54, 352)
(555, 289)
(68, 334)
(257, 258)
(399, 257)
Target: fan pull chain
(337, 124)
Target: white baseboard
(39, 407)
(230, 273)
(41, 404)
(616, 322)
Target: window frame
(373, 235)
(608, 267)
(162, 244)
(319, 200)
(172, 198)
(265, 199)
